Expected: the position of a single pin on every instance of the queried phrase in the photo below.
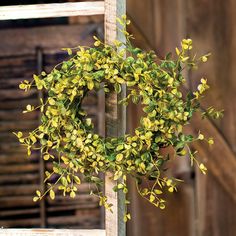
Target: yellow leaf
(162, 206)
(52, 194)
(204, 59)
(157, 191)
(119, 157)
(177, 51)
(97, 43)
(120, 186)
(46, 157)
(28, 151)
(152, 198)
(28, 107)
(49, 143)
(19, 134)
(203, 168)
(72, 194)
(38, 193)
(77, 179)
(51, 101)
(90, 85)
(210, 141)
(35, 199)
(200, 136)
(34, 140)
(171, 189)
(168, 182)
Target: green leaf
(117, 87)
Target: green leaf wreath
(66, 134)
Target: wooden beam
(51, 10)
(115, 118)
(50, 232)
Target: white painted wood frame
(51, 10)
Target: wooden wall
(203, 206)
(20, 176)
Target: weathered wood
(11, 169)
(16, 158)
(28, 222)
(79, 199)
(156, 26)
(19, 179)
(83, 215)
(15, 201)
(72, 207)
(8, 105)
(115, 118)
(6, 213)
(18, 94)
(23, 189)
(17, 115)
(212, 202)
(52, 39)
(12, 126)
(51, 10)
(50, 232)
(39, 56)
(222, 165)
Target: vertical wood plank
(211, 26)
(115, 121)
(39, 52)
(178, 217)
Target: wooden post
(115, 121)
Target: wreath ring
(66, 135)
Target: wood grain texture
(216, 210)
(52, 39)
(160, 26)
(51, 10)
(219, 159)
(115, 119)
(50, 232)
(211, 25)
(20, 176)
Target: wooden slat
(115, 122)
(28, 222)
(22, 189)
(91, 215)
(51, 10)
(26, 167)
(71, 207)
(17, 158)
(82, 199)
(19, 179)
(51, 232)
(52, 39)
(13, 212)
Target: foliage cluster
(66, 134)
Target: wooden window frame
(115, 115)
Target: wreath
(66, 134)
